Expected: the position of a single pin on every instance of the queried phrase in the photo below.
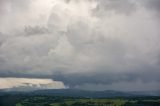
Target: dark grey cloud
(151, 4)
(86, 42)
(104, 77)
(29, 30)
(117, 6)
(97, 78)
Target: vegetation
(32, 100)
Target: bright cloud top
(30, 82)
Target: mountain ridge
(83, 93)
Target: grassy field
(64, 101)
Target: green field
(64, 101)
(41, 100)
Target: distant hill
(82, 93)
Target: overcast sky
(83, 44)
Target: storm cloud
(82, 43)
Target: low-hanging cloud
(81, 42)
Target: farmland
(41, 100)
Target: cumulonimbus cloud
(80, 42)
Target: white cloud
(30, 82)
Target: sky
(81, 44)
